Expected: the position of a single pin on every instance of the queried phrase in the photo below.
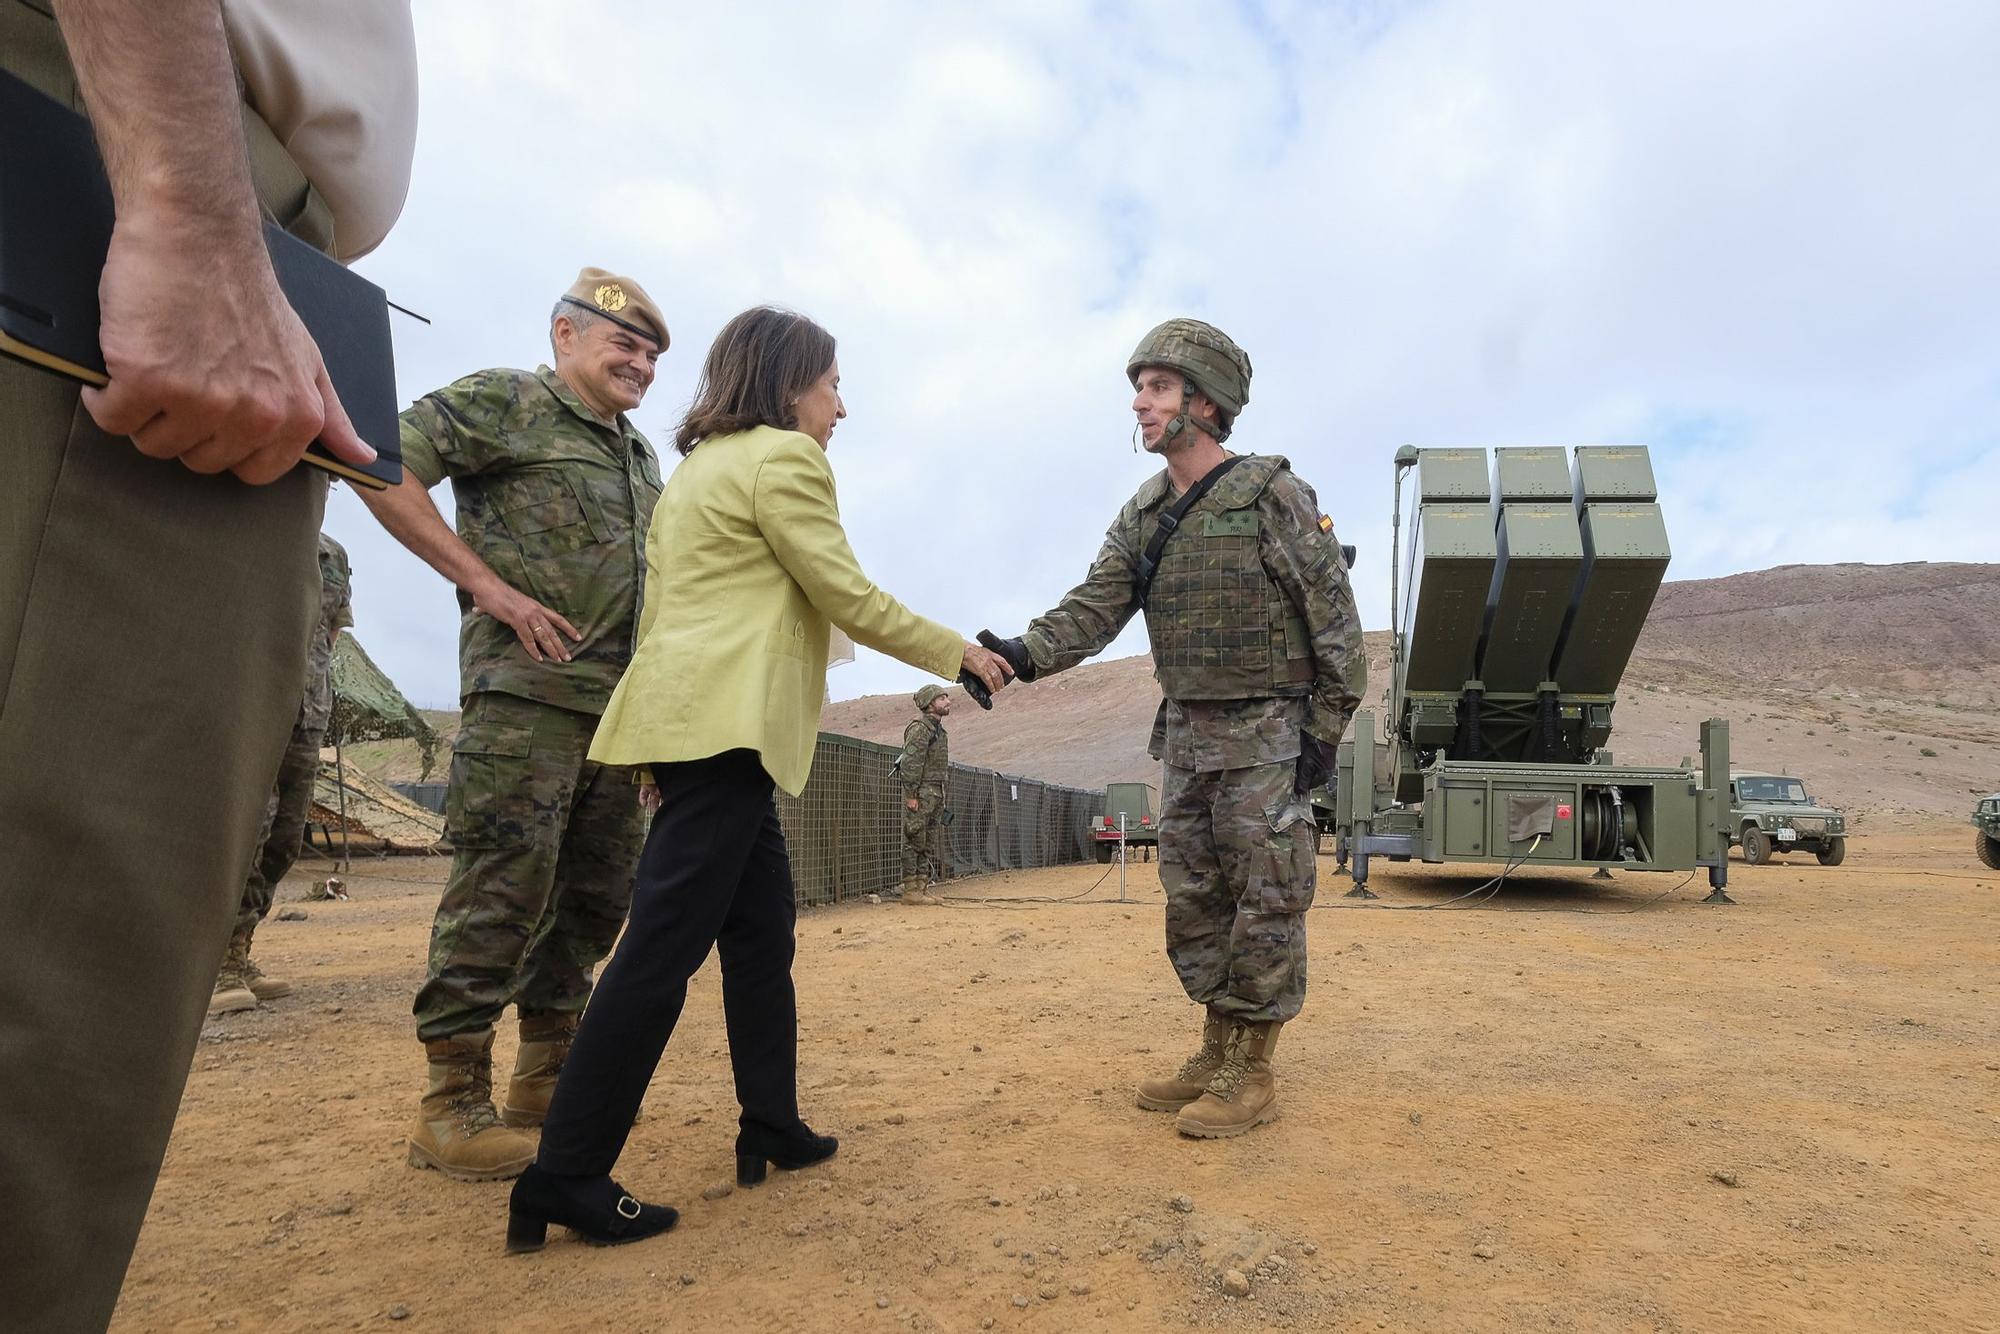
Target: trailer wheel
(1756, 845)
(1989, 850)
(1834, 853)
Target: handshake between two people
(987, 669)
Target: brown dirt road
(1663, 1116)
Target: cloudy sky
(1759, 238)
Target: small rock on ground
(721, 1190)
(1235, 1284)
(1184, 1203)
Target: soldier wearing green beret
(924, 772)
(555, 490)
(1257, 648)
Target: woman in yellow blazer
(748, 569)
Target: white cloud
(1758, 238)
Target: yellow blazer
(746, 566)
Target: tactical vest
(936, 773)
(1221, 627)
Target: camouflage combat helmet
(1207, 359)
(926, 695)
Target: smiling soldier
(1257, 648)
(555, 490)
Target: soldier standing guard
(1257, 648)
(555, 490)
(924, 770)
(240, 983)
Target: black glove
(975, 689)
(1315, 762)
(1013, 650)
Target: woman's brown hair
(758, 366)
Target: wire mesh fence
(845, 831)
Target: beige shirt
(337, 84)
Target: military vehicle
(1771, 813)
(1528, 579)
(1128, 813)
(1986, 819)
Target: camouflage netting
(368, 707)
(374, 812)
(845, 831)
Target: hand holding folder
(221, 375)
(224, 360)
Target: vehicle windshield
(1771, 789)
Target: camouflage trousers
(1236, 860)
(920, 839)
(284, 826)
(545, 846)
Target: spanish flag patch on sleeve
(1325, 524)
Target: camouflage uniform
(1255, 639)
(924, 771)
(545, 843)
(285, 816)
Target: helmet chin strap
(1182, 420)
(1185, 419)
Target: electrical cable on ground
(1489, 888)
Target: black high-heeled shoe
(595, 1208)
(788, 1152)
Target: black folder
(55, 231)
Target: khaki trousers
(153, 629)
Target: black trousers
(714, 873)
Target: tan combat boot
(1242, 1094)
(917, 890)
(1178, 1090)
(262, 987)
(457, 1131)
(545, 1044)
(232, 988)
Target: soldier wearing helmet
(1257, 649)
(923, 771)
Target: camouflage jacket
(924, 767)
(557, 501)
(335, 615)
(1301, 558)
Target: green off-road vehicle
(1986, 819)
(1771, 813)
(1128, 819)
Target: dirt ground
(1574, 1106)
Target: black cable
(1491, 886)
(966, 902)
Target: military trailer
(1771, 813)
(1986, 819)
(1528, 578)
(1128, 813)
